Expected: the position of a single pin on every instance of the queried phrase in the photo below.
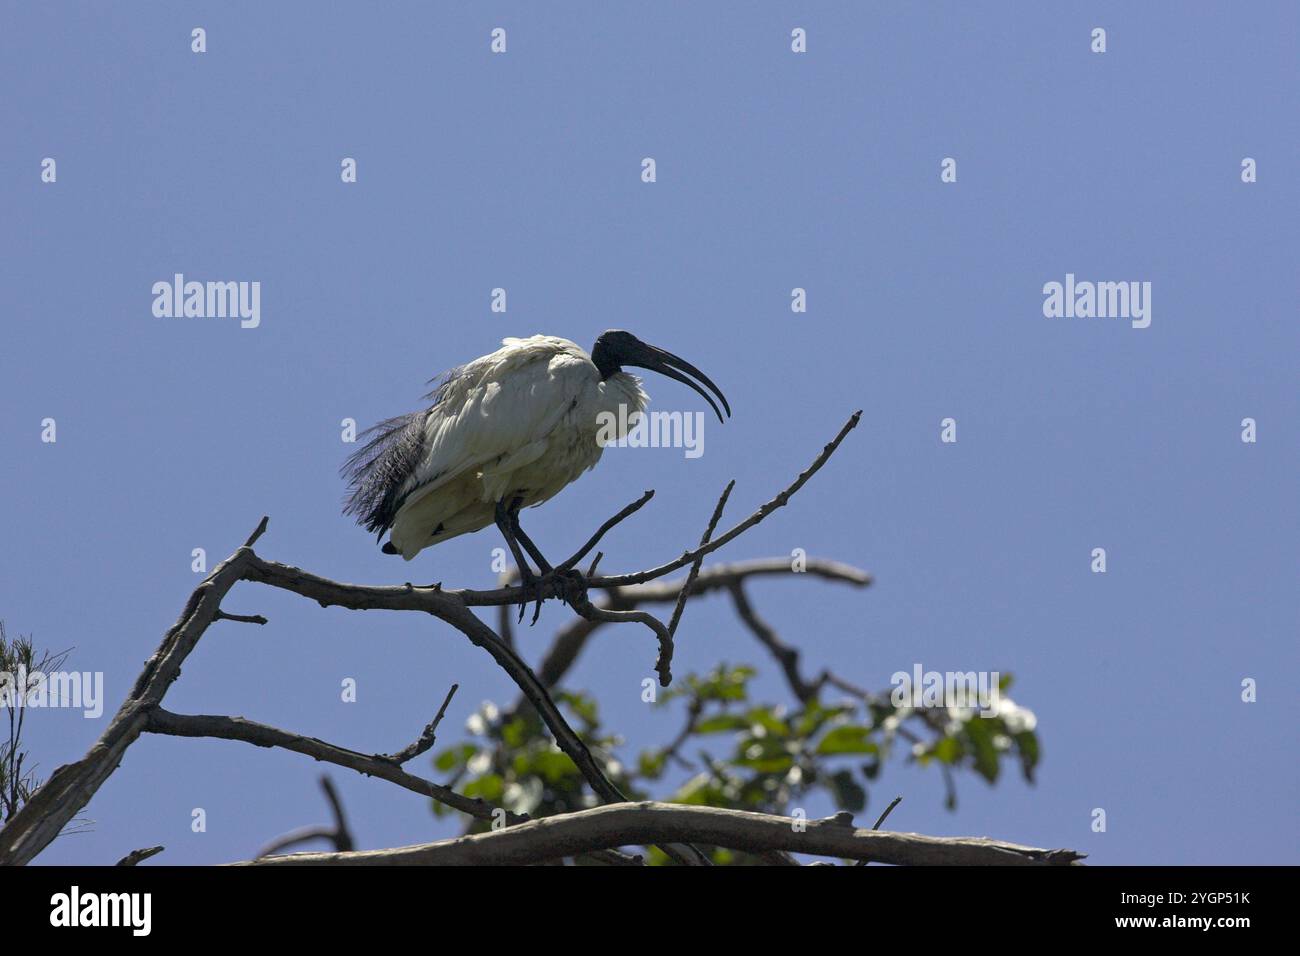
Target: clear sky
(775, 170)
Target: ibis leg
(506, 527)
(543, 566)
(507, 523)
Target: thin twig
(340, 835)
(162, 721)
(763, 511)
(427, 737)
(888, 810)
(296, 838)
(893, 803)
(241, 618)
(258, 531)
(695, 566)
(594, 540)
(664, 662)
(343, 840)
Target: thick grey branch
(72, 785)
(651, 822)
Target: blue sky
(774, 171)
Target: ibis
(506, 431)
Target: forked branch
(72, 786)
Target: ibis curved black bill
(671, 365)
(616, 348)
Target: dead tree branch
(763, 511)
(340, 834)
(72, 786)
(136, 856)
(427, 737)
(685, 592)
(570, 641)
(615, 825)
(162, 721)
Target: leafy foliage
(746, 755)
(18, 780)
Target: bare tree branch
(600, 615)
(613, 825)
(296, 838)
(241, 618)
(786, 656)
(343, 840)
(763, 511)
(340, 834)
(162, 721)
(888, 810)
(448, 606)
(71, 786)
(594, 831)
(685, 592)
(594, 540)
(571, 639)
(426, 738)
(135, 856)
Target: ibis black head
(617, 348)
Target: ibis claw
(569, 585)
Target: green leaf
(554, 765)
(980, 731)
(583, 707)
(515, 733)
(488, 787)
(454, 757)
(767, 764)
(947, 750)
(815, 716)
(721, 724)
(847, 739)
(766, 718)
(1027, 745)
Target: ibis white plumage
(506, 431)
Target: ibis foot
(532, 590)
(570, 586)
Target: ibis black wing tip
(389, 549)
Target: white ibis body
(505, 431)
